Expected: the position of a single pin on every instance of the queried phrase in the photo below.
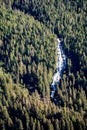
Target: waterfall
(60, 66)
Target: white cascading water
(61, 63)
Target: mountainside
(26, 49)
(28, 40)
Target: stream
(60, 67)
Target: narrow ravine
(60, 66)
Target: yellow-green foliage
(28, 30)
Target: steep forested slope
(67, 19)
(19, 110)
(27, 62)
(26, 49)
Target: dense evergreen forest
(28, 40)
